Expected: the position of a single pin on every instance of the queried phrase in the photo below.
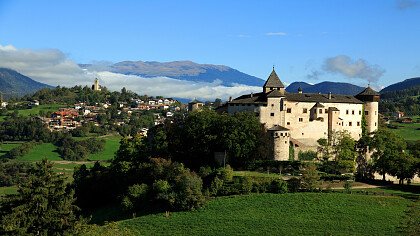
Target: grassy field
(256, 174)
(112, 143)
(407, 131)
(6, 147)
(281, 214)
(41, 151)
(46, 108)
(7, 190)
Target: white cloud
(349, 68)
(53, 67)
(48, 66)
(276, 34)
(165, 86)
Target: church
(300, 119)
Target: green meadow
(281, 214)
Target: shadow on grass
(115, 213)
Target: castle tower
(371, 101)
(273, 83)
(280, 138)
(96, 86)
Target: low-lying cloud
(53, 67)
(349, 68)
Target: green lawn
(6, 147)
(256, 174)
(7, 190)
(112, 143)
(281, 214)
(46, 108)
(41, 151)
(407, 131)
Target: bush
(293, 184)
(307, 156)
(136, 197)
(278, 186)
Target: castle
(300, 119)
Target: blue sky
(312, 41)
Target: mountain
(325, 87)
(14, 84)
(182, 70)
(406, 84)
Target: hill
(325, 87)
(183, 70)
(406, 84)
(14, 84)
(281, 214)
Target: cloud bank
(349, 68)
(53, 67)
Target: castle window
(350, 123)
(288, 123)
(303, 134)
(300, 119)
(281, 134)
(289, 110)
(347, 112)
(285, 141)
(375, 123)
(272, 114)
(326, 110)
(320, 111)
(375, 113)
(352, 112)
(272, 105)
(305, 110)
(360, 112)
(366, 113)
(358, 123)
(271, 88)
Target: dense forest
(406, 100)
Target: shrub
(293, 184)
(136, 197)
(215, 186)
(347, 186)
(307, 156)
(310, 178)
(278, 186)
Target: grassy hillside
(286, 214)
(407, 131)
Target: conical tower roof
(368, 95)
(368, 92)
(273, 80)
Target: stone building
(300, 119)
(96, 86)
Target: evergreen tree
(42, 206)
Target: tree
(388, 148)
(42, 206)
(310, 177)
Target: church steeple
(273, 83)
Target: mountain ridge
(15, 84)
(182, 70)
(325, 87)
(405, 84)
